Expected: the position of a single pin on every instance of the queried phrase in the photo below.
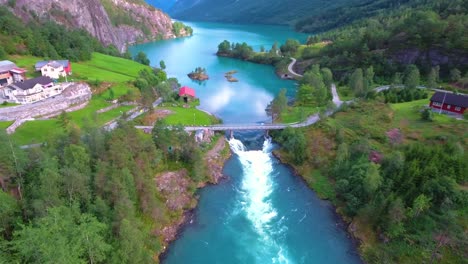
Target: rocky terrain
(116, 22)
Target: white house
(31, 90)
(54, 69)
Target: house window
(437, 104)
(449, 106)
(457, 108)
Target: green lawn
(36, 131)
(40, 130)
(101, 67)
(189, 116)
(107, 68)
(26, 62)
(5, 124)
(297, 114)
(345, 93)
(408, 117)
(314, 49)
(7, 105)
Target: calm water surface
(262, 213)
(242, 102)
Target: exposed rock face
(432, 57)
(122, 22)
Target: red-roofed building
(449, 103)
(186, 93)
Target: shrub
(426, 114)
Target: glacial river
(261, 213)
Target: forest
(89, 196)
(389, 42)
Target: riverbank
(324, 191)
(183, 198)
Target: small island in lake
(198, 74)
(229, 76)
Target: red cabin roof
(184, 91)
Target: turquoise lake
(262, 212)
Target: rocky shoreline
(214, 161)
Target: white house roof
(41, 64)
(28, 84)
(6, 65)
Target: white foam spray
(256, 189)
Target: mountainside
(246, 11)
(116, 22)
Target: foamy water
(256, 187)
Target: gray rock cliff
(116, 22)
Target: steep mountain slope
(247, 11)
(116, 22)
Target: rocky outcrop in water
(116, 22)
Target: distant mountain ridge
(311, 16)
(285, 12)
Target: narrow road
(291, 66)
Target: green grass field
(408, 117)
(107, 68)
(26, 62)
(189, 116)
(36, 131)
(313, 49)
(5, 124)
(7, 105)
(297, 114)
(101, 67)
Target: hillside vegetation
(399, 180)
(46, 39)
(243, 11)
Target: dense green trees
(153, 83)
(90, 196)
(277, 105)
(412, 77)
(290, 46)
(295, 143)
(179, 27)
(47, 39)
(314, 87)
(386, 40)
(142, 58)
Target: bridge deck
(311, 120)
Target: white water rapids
(256, 189)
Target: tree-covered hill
(260, 11)
(432, 35)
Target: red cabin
(186, 93)
(449, 102)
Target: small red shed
(186, 93)
(449, 102)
